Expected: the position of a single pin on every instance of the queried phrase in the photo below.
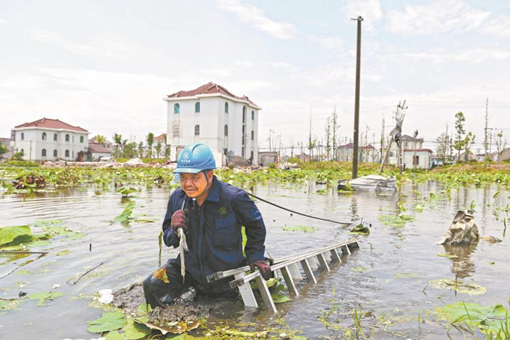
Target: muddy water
(388, 277)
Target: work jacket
(214, 233)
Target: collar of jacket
(214, 193)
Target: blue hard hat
(195, 158)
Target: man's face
(195, 185)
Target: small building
(267, 157)
(366, 153)
(7, 143)
(98, 151)
(159, 144)
(417, 158)
(212, 115)
(504, 155)
(50, 139)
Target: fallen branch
(82, 275)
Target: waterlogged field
(93, 229)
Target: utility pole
(486, 141)
(356, 101)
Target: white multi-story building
(50, 139)
(212, 115)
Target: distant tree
(328, 138)
(100, 139)
(500, 143)
(150, 142)
(158, 148)
(468, 143)
(334, 128)
(140, 149)
(460, 141)
(443, 150)
(117, 149)
(3, 149)
(130, 149)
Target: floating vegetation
(398, 220)
(493, 321)
(108, 322)
(43, 297)
(126, 192)
(459, 286)
(360, 229)
(304, 228)
(359, 269)
(450, 256)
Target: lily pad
(487, 319)
(63, 252)
(459, 286)
(360, 229)
(304, 228)
(44, 296)
(107, 323)
(48, 223)
(9, 234)
(115, 336)
(359, 269)
(135, 330)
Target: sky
(107, 65)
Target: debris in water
(463, 230)
(105, 296)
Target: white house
(212, 115)
(50, 139)
(367, 153)
(417, 158)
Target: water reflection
(462, 265)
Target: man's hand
(263, 266)
(180, 220)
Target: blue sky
(107, 65)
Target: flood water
(388, 277)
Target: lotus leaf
(459, 286)
(133, 330)
(9, 234)
(487, 319)
(115, 336)
(108, 322)
(44, 296)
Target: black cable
(298, 213)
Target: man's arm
(168, 234)
(250, 217)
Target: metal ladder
(288, 266)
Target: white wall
(423, 160)
(212, 119)
(33, 143)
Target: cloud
(370, 10)
(256, 17)
(50, 37)
(4, 22)
(330, 43)
(438, 17)
(474, 56)
(499, 26)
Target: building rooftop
(351, 146)
(98, 148)
(209, 88)
(160, 138)
(49, 123)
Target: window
(416, 160)
(252, 135)
(253, 115)
(244, 114)
(22, 136)
(81, 139)
(55, 137)
(44, 152)
(226, 107)
(177, 108)
(197, 130)
(67, 153)
(55, 154)
(176, 131)
(67, 138)
(226, 130)
(44, 137)
(197, 107)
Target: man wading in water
(211, 214)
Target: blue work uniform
(214, 235)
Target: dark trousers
(159, 293)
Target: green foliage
(3, 149)
(107, 323)
(43, 297)
(360, 229)
(20, 163)
(125, 216)
(126, 192)
(9, 234)
(135, 330)
(491, 320)
(459, 286)
(304, 228)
